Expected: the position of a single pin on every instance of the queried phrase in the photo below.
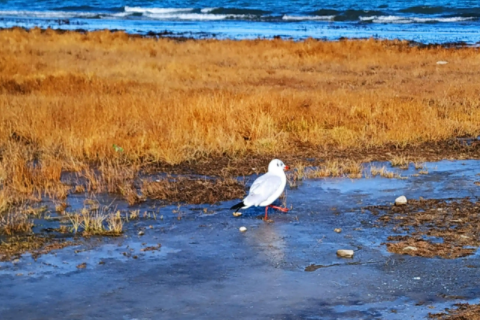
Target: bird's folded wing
(262, 189)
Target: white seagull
(266, 189)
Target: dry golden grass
(15, 222)
(345, 168)
(96, 222)
(384, 172)
(69, 101)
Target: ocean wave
(400, 19)
(49, 14)
(207, 10)
(193, 16)
(239, 11)
(305, 18)
(246, 14)
(426, 9)
(88, 9)
(156, 10)
(354, 15)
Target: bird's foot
(267, 220)
(280, 208)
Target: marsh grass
(100, 104)
(400, 161)
(384, 172)
(96, 222)
(14, 222)
(346, 168)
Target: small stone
(345, 253)
(242, 229)
(337, 230)
(400, 201)
(82, 265)
(237, 214)
(141, 233)
(410, 248)
(442, 62)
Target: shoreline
(201, 36)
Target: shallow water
(207, 269)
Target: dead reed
(105, 104)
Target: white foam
(194, 16)
(396, 19)
(156, 10)
(207, 10)
(452, 19)
(304, 18)
(48, 14)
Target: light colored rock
(410, 248)
(401, 200)
(237, 214)
(337, 230)
(442, 62)
(242, 229)
(345, 253)
(141, 233)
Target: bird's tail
(238, 206)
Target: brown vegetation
(431, 228)
(196, 191)
(106, 105)
(463, 311)
(15, 246)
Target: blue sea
(421, 21)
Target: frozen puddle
(206, 269)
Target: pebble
(337, 230)
(442, 62)
(401, 200)
(345, 253)
(237, 214)
(141, 233)
(410, 248)
(242, 229)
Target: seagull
(266, 189)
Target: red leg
(280, 208)
(266, 213)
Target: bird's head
(277, 166)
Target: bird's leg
(280, 208)
(266, 213)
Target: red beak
(286, 168)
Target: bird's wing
(262, 189)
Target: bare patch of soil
(36, 245)
(455, 149)
(464, 311)
(432, 228)
(194, 191)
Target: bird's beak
(286, 168)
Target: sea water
(422, 21)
